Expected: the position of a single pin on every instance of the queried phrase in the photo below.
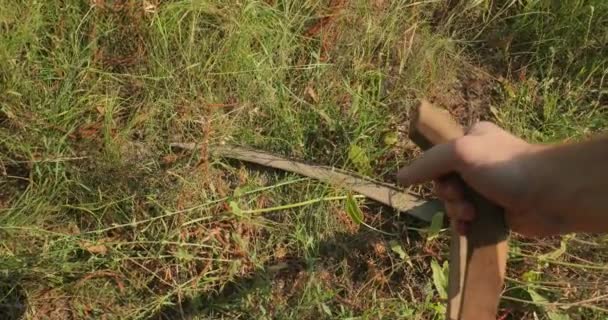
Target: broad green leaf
(541, 300)
(514, 249)
(530, 276)
(183, 254)
(536, 297)
(440, 279)
(553, 255)
(359, 158)
(435, 227)
(235, 208)
(353, 210)
(557, 316)
(407, 312)
(396, 248)
(509, 89)
(438, 309)
(391, 138)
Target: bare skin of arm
(544, 189)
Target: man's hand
(494, 163)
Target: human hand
(494, 163)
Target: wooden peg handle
(477, 260)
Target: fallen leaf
(280, 252)
(335, 7)
(318, 26)
(98, 3)
(101, 110)
(359, 158)
(89, 131)
(73, 228)
(522, 74)
(149, 7)
(310, 91)
(379, 248)
(96, 249)
(169, 159)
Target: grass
(100, 218)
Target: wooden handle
(477, 260)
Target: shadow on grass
(12, 298)
(353, 248)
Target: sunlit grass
(99, 216)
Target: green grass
(100, 218)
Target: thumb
(434, 163)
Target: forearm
(571, 181)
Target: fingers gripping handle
(477, 260)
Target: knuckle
(463, 151)
(486, 124)
(482, 126)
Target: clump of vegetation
(101, 218)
